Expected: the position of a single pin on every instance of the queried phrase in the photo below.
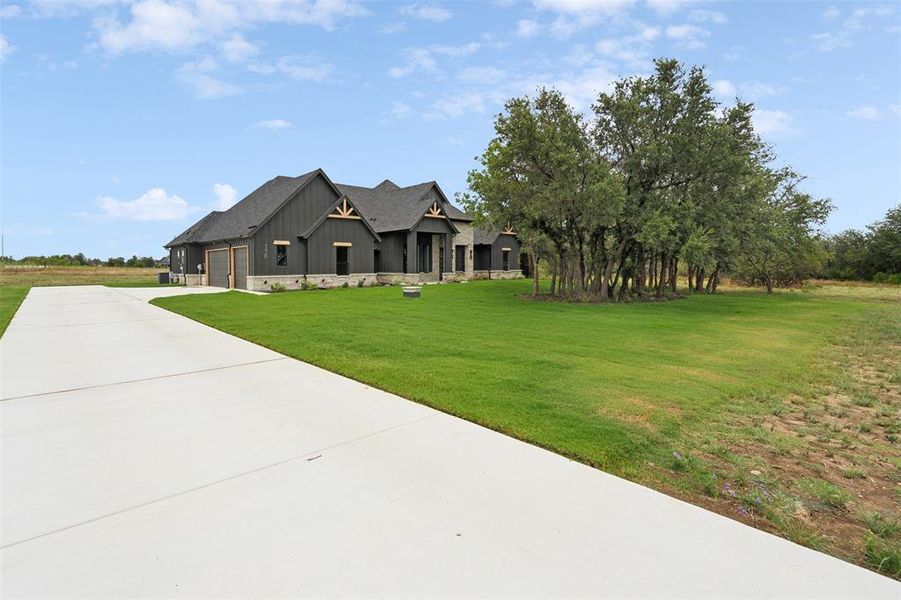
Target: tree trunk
(536, 285)
(674, 274)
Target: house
(293, 230)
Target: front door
(460, 259)
(425, 256)
(441, 262)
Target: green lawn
(11, 297)
(750, 404)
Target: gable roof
(194, 230)
(389, 207)
(246, 216)
(386, 207)
(309, 231)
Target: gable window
(342, 264)
(281, 256)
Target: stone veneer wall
(195, 280)
(514, 274)
(263, 283)
(464, 238)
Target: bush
(307, 285)
(278, 287)
(361, 282)
(890, 278)
(345, 285)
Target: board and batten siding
(293, 219)
(497, 252)
(193, 255)
(321, 249)
(391, 252)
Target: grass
(18, 275)
(10, 299)
(744, 403)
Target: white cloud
(454, 141)
(5, 48)
(827, 42)
(154, 205)
(426, 12)
(526, 28)
(393, 27)
(399, 110)
(418, 59)
(772, 122)
(867, 112)
(687, 36)
(10, 11)
(423, 59)
(171, 25)
(198, 77)
(574, 15)
(860, 19)
(274, 124)
(748, 90)
(236, 49)
(485, 75)
(582, 88)
(302, 67)
(226, 196)
(707, 16)
(667, 7)
(723, 88)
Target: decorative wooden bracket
(508, 230)
(435, 211)
(344, 211)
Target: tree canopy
(658, 175)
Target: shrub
(361, 282)
(307, 285)
(278, 287)
(345, 285)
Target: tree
(778, 242)
(660, 176)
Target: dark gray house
(307, 228)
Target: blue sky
(124, 122)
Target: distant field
(38, 276)
(782, 411)
(15, 281)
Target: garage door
(240, 262)
(218, 268)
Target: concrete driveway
(144, 454)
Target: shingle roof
(480, 236)
(389, 207)
(456, 214)
(386, 207)
(241, 219)
(194, 230)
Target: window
(281, 256)
(506, 261)
(342, 265)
